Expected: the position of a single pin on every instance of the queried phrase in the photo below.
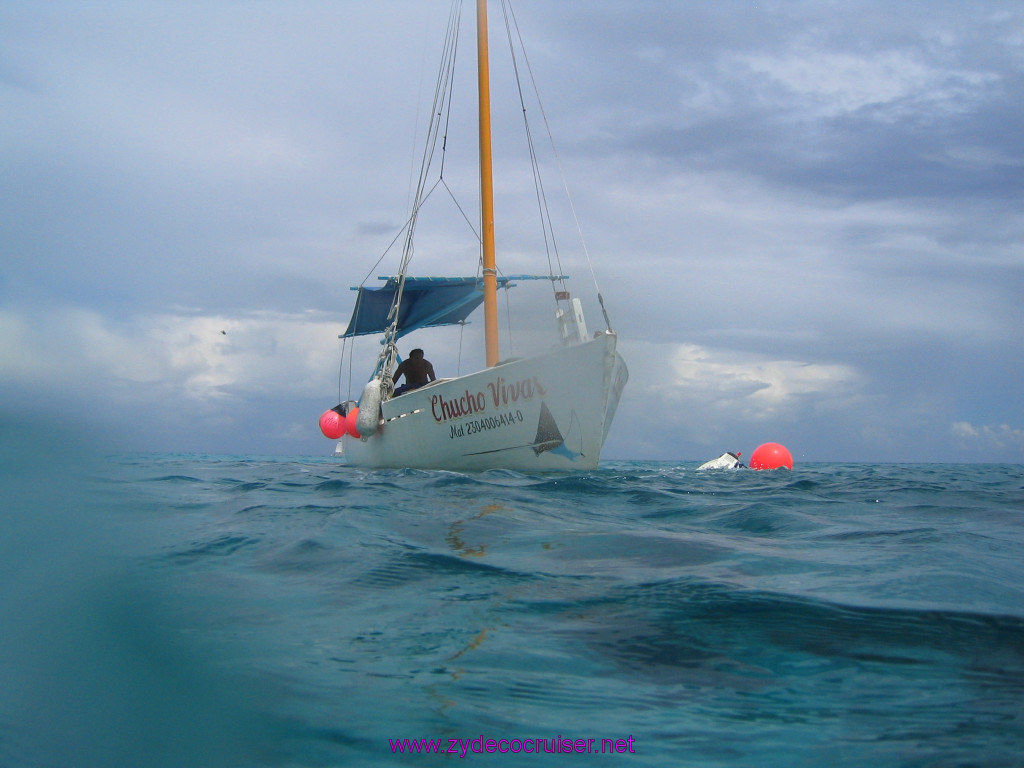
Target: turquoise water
(222, 611)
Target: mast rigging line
(441, 105)
(547, 227)
(440, 116)
(510, 14)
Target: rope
(440, 115)
(508, 322)
(458, 364)
(472, 227)
(547, 229)
(510, 14)
(341, 367)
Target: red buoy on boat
(350, 421)
(332, 424)
(771, 456)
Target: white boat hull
(545, 413)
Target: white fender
(368, 419)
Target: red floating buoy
(350, 422)
(771, 456)
(332, 424)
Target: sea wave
(170, 610)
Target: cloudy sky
(805, 217)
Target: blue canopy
(426, 302)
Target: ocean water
(244, 611)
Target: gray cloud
(813, 206)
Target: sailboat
(549, 412)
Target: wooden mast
(486, 188)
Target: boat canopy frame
(425, 302)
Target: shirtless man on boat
(416, 370)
